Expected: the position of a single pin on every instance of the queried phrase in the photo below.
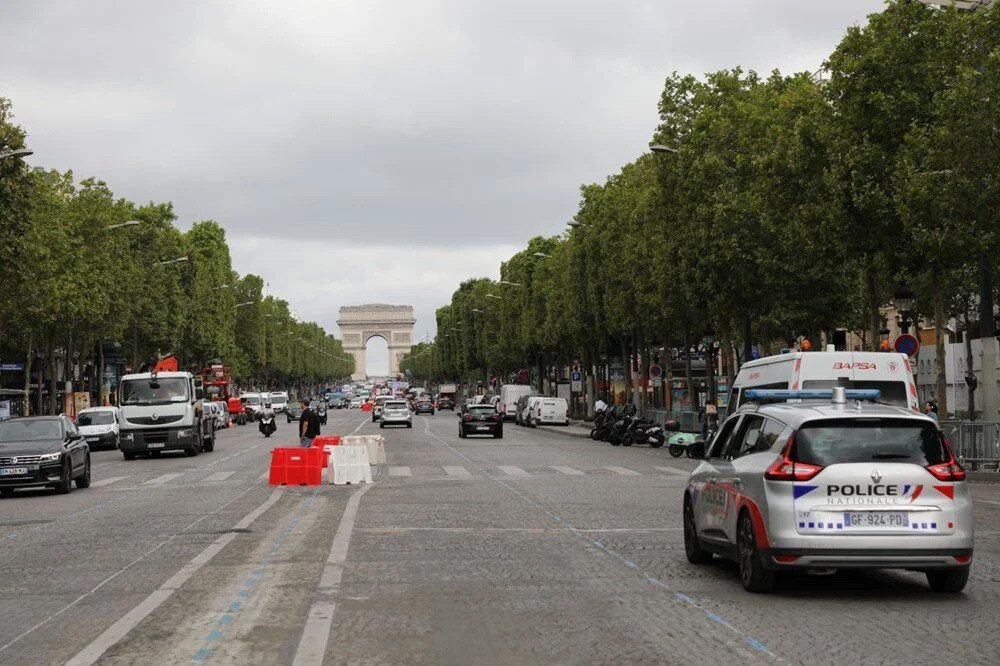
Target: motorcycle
(603, 423)
(267, 427)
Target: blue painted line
(754, 643)
(248, 584)
(683, 597)
(715, 618)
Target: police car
(829, 480)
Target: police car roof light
(811, 394)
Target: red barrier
(326, 440)
(297, 467)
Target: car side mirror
(697, 448)
(199, 394)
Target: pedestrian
(930, 409)
(308, 424)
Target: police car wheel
(692, 544)
(951, 582)
(753, 575)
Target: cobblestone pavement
(535, 548)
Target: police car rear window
(893, 393)
(868, 440)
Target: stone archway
(360, 323)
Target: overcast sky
(373, 150)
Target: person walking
(930, 409)
(308, 425)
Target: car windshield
(867, 440)
(278, 400)
(95, 418)
(159, 391)
(893, 393)
(253, 400)
(27, 430)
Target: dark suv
(42, 451)
(480, 420)
(444, 402)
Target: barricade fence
(976, 444)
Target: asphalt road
(537, 548)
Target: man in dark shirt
(308, 425)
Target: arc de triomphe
(360, 323)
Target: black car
(480, 420)
(444, 402)
(42, 451)
(423, 407)
(293, 412)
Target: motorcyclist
(267, 415)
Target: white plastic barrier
(376, 449)
(353, 440)
(349, 464)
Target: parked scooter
(267, 426)
(603, 422)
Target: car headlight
(49, 457)
(183, 433)
(128, 436)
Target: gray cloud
(415, 125)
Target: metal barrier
(976, 444)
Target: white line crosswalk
(163, 478)
(456, 470)
(219, 476)
(624, 471)
(674, 470)
(100, 483)
(512, 470)
(568, 471)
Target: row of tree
(770, 208)
(79, 265)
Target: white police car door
(711, 497)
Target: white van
(888, 372)
(100, 425)
(553, 411)
(279, 401)
(509, 394)
(530, 407)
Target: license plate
(876, 519)
(483, 428)
(13, 471)
(155, 445)
(93, 439)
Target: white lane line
(219, 476)
(117, 631)
(319, 622)
(624, 471)
(163, 478)
(982, 501)
(571, 471)
(456, 470)
(512, 470)
(106, 482)
(674, 470)
(399, 471)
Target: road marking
(120, 629)
(524, 530)
(624, 471)
(106, 482)
(511, 470)
(982, 501)
(567, 470)
(219, 476)
(456, 470)
(319, 622)
(399, 471)
(674, 470)
(264, 477)
(163, 478)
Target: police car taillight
(947, 471)
(786, 469)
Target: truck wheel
(192, 451)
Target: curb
(564, 432)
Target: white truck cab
(163, 411)
(888, 372)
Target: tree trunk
(969, 365)
(27, 380)
(50, 356)
(939, 347)
(100, 373)
(626, 368)
(875, 319)
(688, 381)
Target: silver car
(820, 486)
(396, 412)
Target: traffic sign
(907, 344)
(576, 376)
(655, 371)
(576, 385)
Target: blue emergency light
(811, 394)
